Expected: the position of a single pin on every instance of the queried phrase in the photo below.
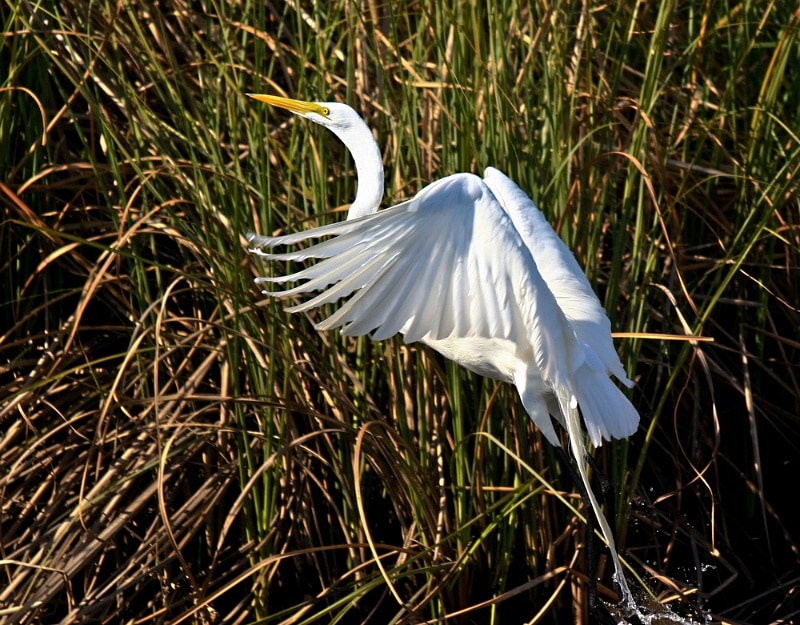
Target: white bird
(470, 267)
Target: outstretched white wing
(447, 264)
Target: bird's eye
(326, 111)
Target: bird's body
(470, 267)
(428, 269)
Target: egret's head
(346, 124)
(333, 115)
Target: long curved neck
(369, 169)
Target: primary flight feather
(470, 267)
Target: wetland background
(176, 448)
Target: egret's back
(560, 270)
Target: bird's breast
(498, 359)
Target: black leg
(596, 606)
(606, 486)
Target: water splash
(645, 610)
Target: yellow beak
(295, 106)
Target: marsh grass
(177, 448)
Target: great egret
(472, 268)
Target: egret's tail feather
(607, 413)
